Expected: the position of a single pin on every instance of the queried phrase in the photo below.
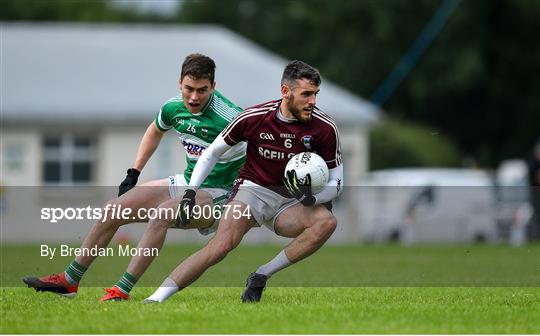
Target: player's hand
(186, 206)
(300, 191)
(129, 182)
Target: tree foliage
(475, 82)
(395, 144)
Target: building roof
(124, 73)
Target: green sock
(126, 283)
(74, 272)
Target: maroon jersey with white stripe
(272, 141)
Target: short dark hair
(300, 70)
(198, 66)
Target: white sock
(165, 291)
(278, 263)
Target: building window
(14, 157)
(68, 159)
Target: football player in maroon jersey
(274, 132)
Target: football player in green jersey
(197, 115)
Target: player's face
(302, 99)
(196, 93)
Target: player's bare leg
(311, 227)
(145, 196)
(156, 231)
(229, 234)
(154, 237)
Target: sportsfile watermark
(385, 236)
(119, 212)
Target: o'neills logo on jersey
(274, 155)
(266, 136)
(193, 149)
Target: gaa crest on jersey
(307, 141)
(204, 131)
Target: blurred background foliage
(397, 144)
(476, 83)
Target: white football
(309, 163)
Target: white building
(76, 99)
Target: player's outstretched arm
(203, 167)
(149, 142)
(207, 161)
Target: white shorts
(177, 186)
(265, 205)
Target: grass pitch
(346, 289)
(284, 310)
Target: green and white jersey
(198, 131)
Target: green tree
(475, 82)
(395, 144)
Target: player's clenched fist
(129, 182)
(186, 206)
(300, 191)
